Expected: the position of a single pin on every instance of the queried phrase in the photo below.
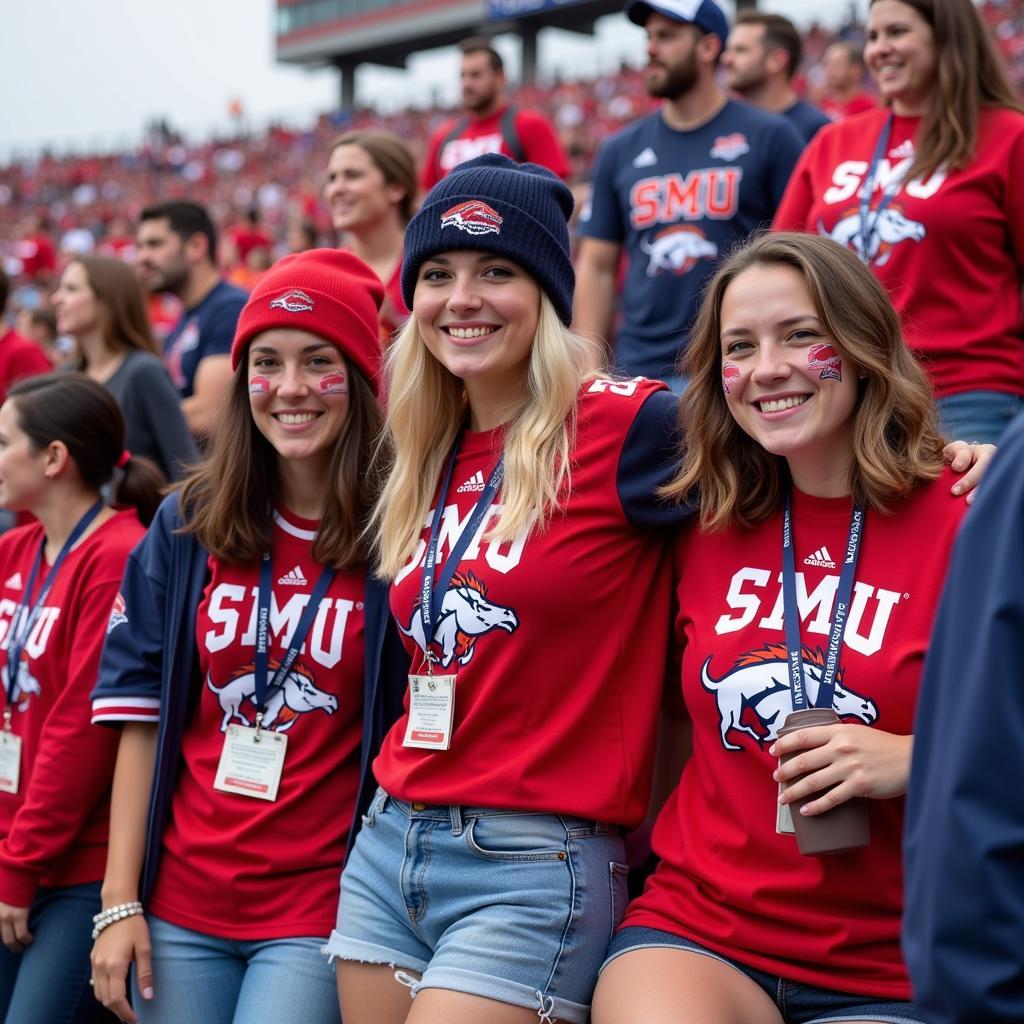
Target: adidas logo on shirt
(645, 158)
(821, 558)
(474, 483)
(292, 578)
(15, 581)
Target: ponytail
(84, 416)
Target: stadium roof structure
(347, 33)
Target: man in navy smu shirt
(676, 190)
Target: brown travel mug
(844, 827)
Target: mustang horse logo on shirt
(466, 615)
(888, 229)
(285, 703)
(677, 249)
(754, 696)
(25, 688)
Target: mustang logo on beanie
(475, 217)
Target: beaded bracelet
(105, 918)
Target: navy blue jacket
(963, 927)
(152, 656)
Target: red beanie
(328, 292)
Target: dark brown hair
(779, 34)
(970, 75)
(481, 44)
(227, 495)
(123, 318)
(896, 444)
(84, 416)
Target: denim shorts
(512, 906)
(797, 1003)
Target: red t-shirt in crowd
(393, 311)
(948, 249)
(19, 357)
(243, 868)
(54, 829)
(483, 135)
(727, 880)
(557, 639)
(858, 103)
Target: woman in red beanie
(241, 666)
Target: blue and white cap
(705, 14)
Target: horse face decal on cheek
(730, 375)
(826, 359)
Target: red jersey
(557, 637)
(19, 357)
(484, 135)
(943, 246)
(242, 868)
(54, 828)
(858, 103)
(393, 311)
(726, 879)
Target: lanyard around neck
(791, 611)
(26, 615)
(868, 224)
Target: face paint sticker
(826, 359)
(259, 386)
(333, 384)
(730, 374)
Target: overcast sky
(93, 72)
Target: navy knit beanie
(491, 203)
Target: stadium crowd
(562, 514)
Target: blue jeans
(48, 983)
(797, 1003)
(513, 906)
(199, 977)
(977, 415)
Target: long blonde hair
(427, 408)
(896, 443)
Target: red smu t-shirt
(242, 868)
(483, 135)
(856, 104)
(54, 828)
(19, 357)
(948, 250)
(727, 880)
(557, 639)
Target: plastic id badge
(10, 762)
(431, 711)
(249, 766)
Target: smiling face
(298, 393)
(356, 191)
(477, 314)
(786, 380)
(901, 55)
(75, 303)
(22, 469)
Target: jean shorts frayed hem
(340, 947)
(796, 1002)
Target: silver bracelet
(105, 918)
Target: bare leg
(674, 986)
(442, 1006)
(369, 994)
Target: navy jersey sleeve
(649, 460)
(963, 930)
(784, 148)
(601, 216)
(158, 416)
(219, 330)
(129, 682)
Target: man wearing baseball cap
(677, 189)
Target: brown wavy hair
(226, 496)
(896, 443)
(123, 318)
(393, 158)
(970, 75)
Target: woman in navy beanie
(526, 555)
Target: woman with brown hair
(61, 439)
(808, 585)
(926, 192)
(244, 671)
(101, 305)
(371, 192)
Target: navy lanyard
(791, 611)
(867, 223)
(261, 667)
(431, 596)
(25, 616)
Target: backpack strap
(510, 134)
